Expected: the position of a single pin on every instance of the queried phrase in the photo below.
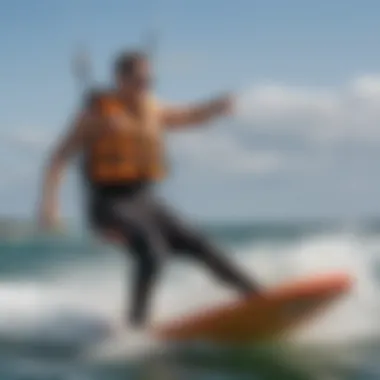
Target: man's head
(132, 73)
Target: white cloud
(304, 129)
(218, 152)
(349, 113)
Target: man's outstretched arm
(56, 164)
(183, 116)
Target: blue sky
(304, 141)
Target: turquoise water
(59, 296)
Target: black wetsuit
(152, 230)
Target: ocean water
(59, 296)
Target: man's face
(137, 81)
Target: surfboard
(255, 319)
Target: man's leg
(147, 252)
(130, 224)
(185, 238)
(214, 259)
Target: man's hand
(226, 103)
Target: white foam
(98, 291)
(124, 344)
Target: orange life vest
(126, 148)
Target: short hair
(126, 62)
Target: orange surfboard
(255, 319)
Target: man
(119, 133)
